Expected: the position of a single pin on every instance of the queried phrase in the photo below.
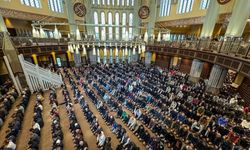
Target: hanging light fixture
(83, 50)
(146, 36)
(37, 34)
(56, 33)
(77, 50)
(116, 51)
(42, 33)
(71, 49)
(105, 51)
(134, 50)
(159, 36)
(126, 51)
(34, 33)
(78, 34)
(143, 48)
(69, 35)
(88, 45)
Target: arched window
(108, 2)
(103, 22)
(98, 2)
(93, 2)
(56, 5)
(113, 2)
(118, 2)
(128, 2)
(117, 22)
(103, 2)
(185, 6)
(96, 25)
(204, 4)
(124, 18)
(130, 23)
(123, 2)
(110, 20)
(165, 7)
(132, 2)
(32, 3)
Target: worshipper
(100, 139)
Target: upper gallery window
(185, 6)
(56, 5)
(32, 3)
(165, 7)
(204, 4)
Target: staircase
(39, 78)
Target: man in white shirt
(11, 145)
(101, 139)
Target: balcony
(232, 53)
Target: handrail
(39, 78)
(235, 47)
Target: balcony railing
(230, 46)
(30, 41)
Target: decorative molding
(223, 2)
(10, 13)
(79, 9)
(191, 21)
(144, 12)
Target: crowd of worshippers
(15, 124)
(37, 123)
(7, 99)
(103, 142)
(57, 134)
(74, 127)
(121, 133)
(181, 114)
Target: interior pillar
(196, 70)
(152, 17)
(216, 79)
(210, 19)
(238, 19)
(148, 57)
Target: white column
(104, 55)
(210, 19)
(111, 55)
(116, 55)
(98, 56)
(148, 56)
(136, 19)
(216, 78)
(129, 55)
(71, 18)
(238, 20)
(152, 17)
(196, 70)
